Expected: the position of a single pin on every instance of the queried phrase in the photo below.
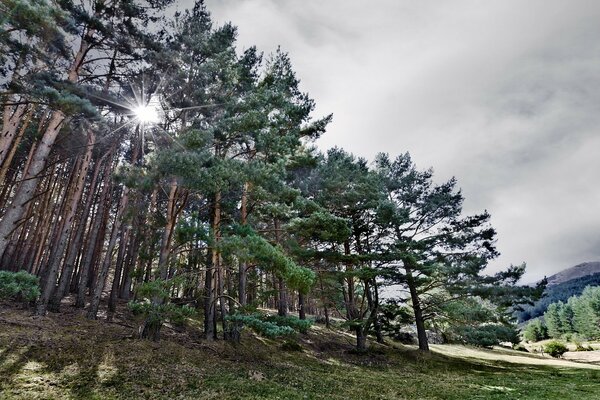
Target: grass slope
(65, 356)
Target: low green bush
(257, 323)
(19, 286)
(555, 348)
(297, 324)
(270, 325)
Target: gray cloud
(504, 95)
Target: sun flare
(147, 114)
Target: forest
(146, 161)
(576, 319)
(557, 293)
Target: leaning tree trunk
(6, 156)
(416, 303)
(12, 120)
(165, 246)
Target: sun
(147, 114)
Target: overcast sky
(504, 95)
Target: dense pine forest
(150, 169)
(144, 159)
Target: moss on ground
(65, 356)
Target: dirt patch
(591, 357)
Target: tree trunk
(165, 246)
(7, 155)
(210, 286)
(9, 129)
(282, 304)
(114, 290)
(416, 303)
(243, 266)
(301, 307)
(361, 339)
(282, 308)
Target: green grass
(68, 357)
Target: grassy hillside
(68, 357)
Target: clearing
(65, 356)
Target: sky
(504, 95)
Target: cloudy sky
(504, 95)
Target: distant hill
(578, 271)
(563, 285)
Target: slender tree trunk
(134, 247)
(6, 156)
(165, 246)
(112, 299)
(10, 127)
(416, 303)
(45, 214)
(242, 274)
(210, 295)
(282, 304)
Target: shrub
(19, 286)
(257, 323)
(154, 306)
(270, 325)
(555, 348)
(297, 324)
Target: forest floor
(65, 356)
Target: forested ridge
(144, 160)
(559, 292)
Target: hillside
(578, 271)
(65, 356)
(563, 285)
